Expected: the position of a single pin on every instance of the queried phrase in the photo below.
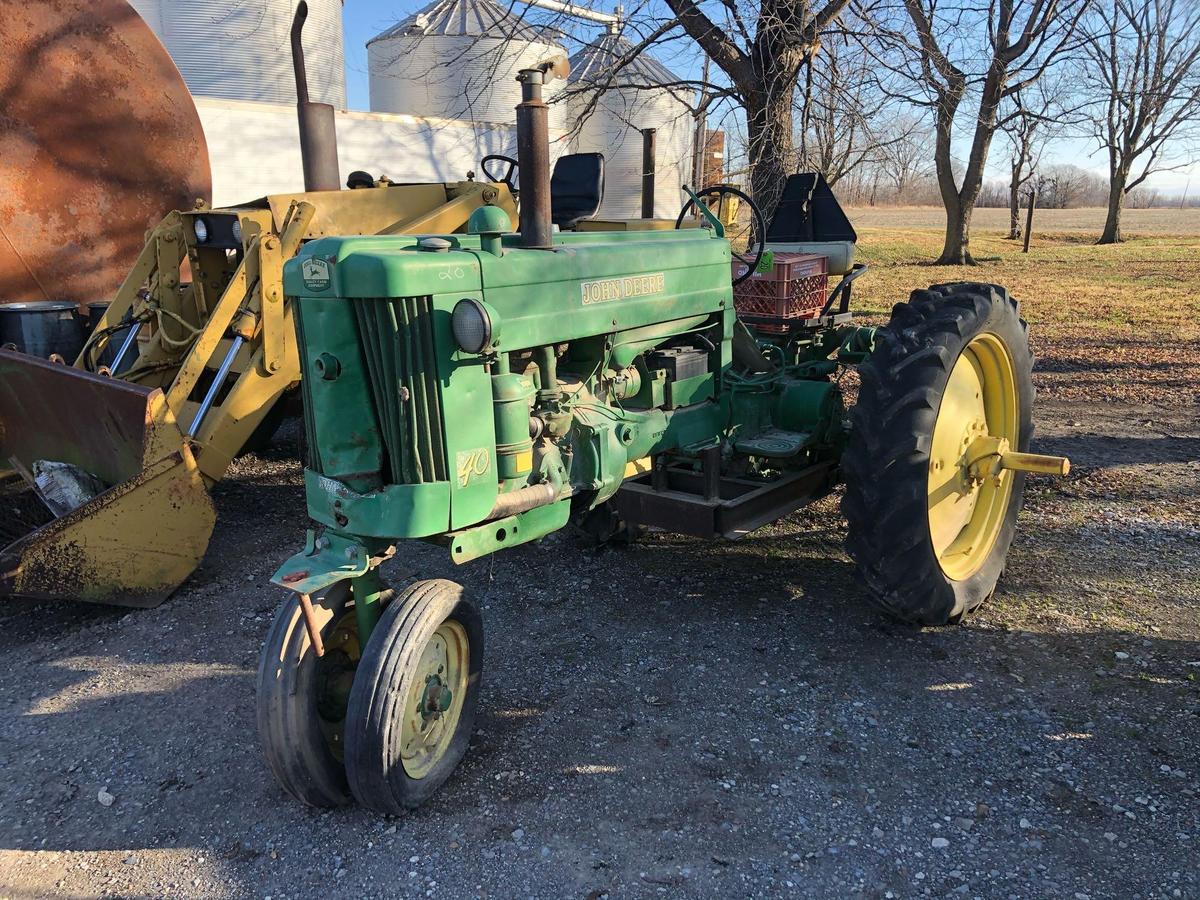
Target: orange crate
(796, 287)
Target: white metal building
(255, 147)
(627, 99)
(241, 49)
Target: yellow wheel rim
(967, 503)
(435, 699)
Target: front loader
(479, 391)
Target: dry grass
(1136, 221)
(1109, 323)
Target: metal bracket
(480, 540)
(270, 274)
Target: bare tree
(762, 49)
(1146, 67)
(842, 111)
(905, 155)
(1032, 119)
(959, 49)
(1065, 186)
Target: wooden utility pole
(1029, 216)
(700, 150)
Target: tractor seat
(576, 188)
(809, 219)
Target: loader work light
(201, 231)
(473, 325)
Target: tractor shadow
(1108, 451)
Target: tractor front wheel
(413, 704)
(302, 698)
(945, 396)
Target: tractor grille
(397, 341)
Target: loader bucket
(133, 543)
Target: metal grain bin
(628, 98)
(458, 59)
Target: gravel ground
(671, 719)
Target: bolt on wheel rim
(435, 699)
(966, 512)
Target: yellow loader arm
(202, 343)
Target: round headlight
(201, 228)
(237, 230)
(472, 325)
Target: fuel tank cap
(435, 244)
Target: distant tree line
(916, 101)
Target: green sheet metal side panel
(470, 428)
(583, 289)
(344, 436)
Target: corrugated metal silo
(628, 101)
(241, 49)
(458, 59)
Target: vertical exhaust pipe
(318, 126)
(648, 154)
(533, 159)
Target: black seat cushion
(576, 188)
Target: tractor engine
(461, 380)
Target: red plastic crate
(796, 287)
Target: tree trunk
(772, 153)
(1116, 204)
(956, 251)
(1014, 204)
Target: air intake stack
(533, 153)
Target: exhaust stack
(318, 127)
(533, 153)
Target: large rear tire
(930, 536)
(412, 708)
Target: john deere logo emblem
(315, 273)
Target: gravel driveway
(672, 719)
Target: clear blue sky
(363, 19)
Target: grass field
(1090, 219)
(1109, 322)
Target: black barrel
(42, 327)
(96, 310)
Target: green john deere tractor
(480, 391)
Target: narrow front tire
(412, 708)
(300, 716)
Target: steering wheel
(745, 233)
(508, 173)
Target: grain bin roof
(476, 18)
(597, 63)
